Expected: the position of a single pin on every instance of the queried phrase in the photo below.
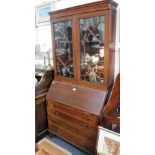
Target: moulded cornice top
(74, 8)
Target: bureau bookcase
(83, 41)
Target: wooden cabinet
(74, 113)
(83, 39)
(80, 130)
(84, 44)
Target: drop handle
(86, 117)
(86, 126)
(54, 112)
(55, 105)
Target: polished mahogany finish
(66, 31)
(74, 113)
(86, 99)
(75, 126)
(83, 41)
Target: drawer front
(78, 130)
(75, 113)
(72, 138)
(73, 125)
(85, 126)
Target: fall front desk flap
(86, 99)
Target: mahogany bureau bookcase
(83, 41)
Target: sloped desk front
(74, 113)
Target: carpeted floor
(74, 150)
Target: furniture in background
(83, 39)
(111, 114)
(45, 78)
(74, 113)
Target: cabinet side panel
(106, 52)
(112, 36)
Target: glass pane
(63, 48)
(92, 49)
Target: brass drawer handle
(86, 126)
(55, 105)
(54, 112)
(86, 117)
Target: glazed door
(63, 49)
(91, 39)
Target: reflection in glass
(63, 47)
(92, 49)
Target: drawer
(90, 136)
(73, 112)
(76, 135)
(72, 138)
(75, 122)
